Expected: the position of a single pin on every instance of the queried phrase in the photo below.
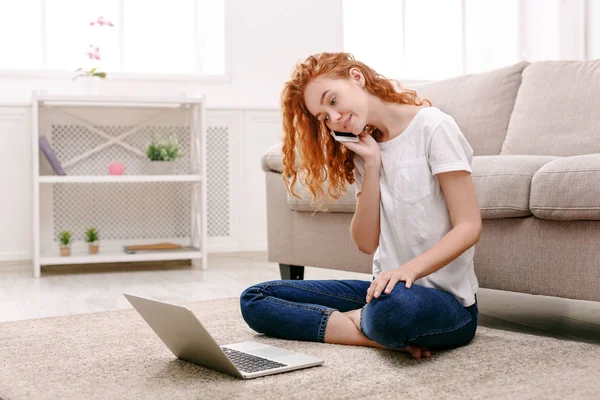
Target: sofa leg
(291, 272)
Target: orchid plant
(93, 52)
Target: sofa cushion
(556, 111)
(503, 184)
(481, 104)
(567, 189)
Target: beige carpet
(115, 355)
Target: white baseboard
(15, 256)
(256, 247)
(225, 245)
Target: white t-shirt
(413, 213)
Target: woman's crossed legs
(335, 311)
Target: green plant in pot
(162, 155)
(64, 237)
(91, 237)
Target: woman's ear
(357, 76)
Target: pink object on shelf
(116, 168)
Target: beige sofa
(535, 132)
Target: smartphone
(345, 136)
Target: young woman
(416, 211)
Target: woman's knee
(251, 295)
(390, 317)
(250, 303)
(256, 290)
(401, 301)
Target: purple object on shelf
(50, 156)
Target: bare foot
(416, 351)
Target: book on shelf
(157, 247)
(50, 156)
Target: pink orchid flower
(101, 22)
(94, 53)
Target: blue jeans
(300, 310)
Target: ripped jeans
(300, 310)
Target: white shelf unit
(89, 132)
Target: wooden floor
(65, 290)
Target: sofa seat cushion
(567, 189)
(503, 184)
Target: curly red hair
(321, 157)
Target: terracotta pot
(93, 248)
(65, 251)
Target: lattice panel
(218, 181)
(142, 210)
(72, 140)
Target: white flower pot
(162, 167)
(87, 85)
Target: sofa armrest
(272, 160)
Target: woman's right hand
(366, 147)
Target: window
(432, 39)
(134, 36)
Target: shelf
(111, 101)
(118, 178)
(88, 132)
(115, 256)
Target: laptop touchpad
(271, 352)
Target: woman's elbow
(477, 228)
(367, 249)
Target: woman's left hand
(386, 280)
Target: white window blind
(432, 39)
(491, 34)
(148, 37)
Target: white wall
(264, 39)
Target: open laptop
(188, 340)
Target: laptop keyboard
(249, 363)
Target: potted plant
(88, 78)
(162, 155)
(91, 237)
(64, 238)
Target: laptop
(188, 340)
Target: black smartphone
(345, 136)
